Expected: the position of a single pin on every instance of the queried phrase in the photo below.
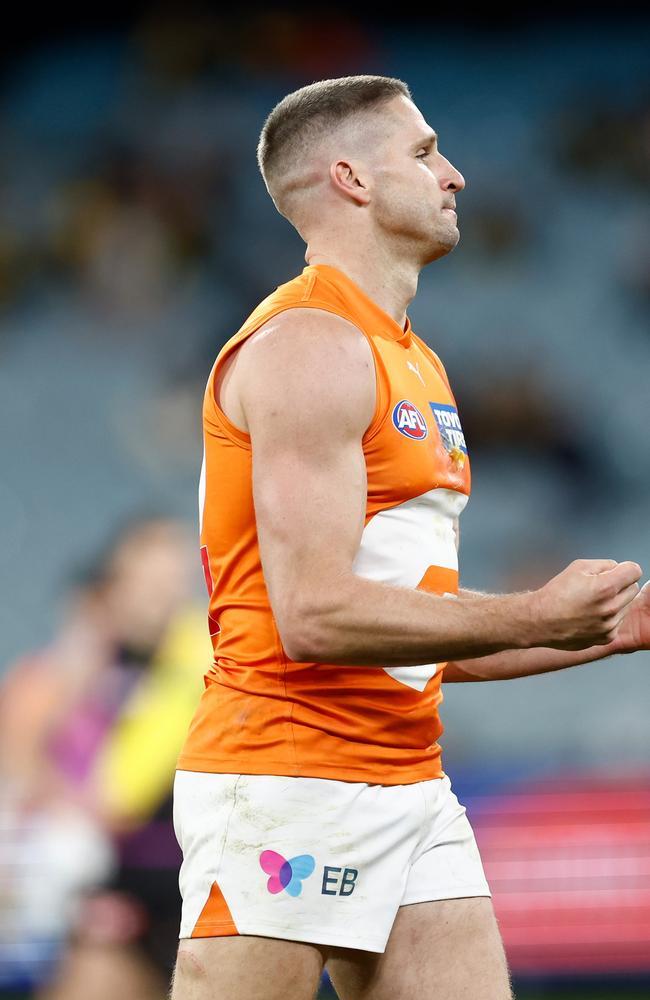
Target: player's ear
(351, 180)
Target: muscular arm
(306, 386)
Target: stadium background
(136, 235)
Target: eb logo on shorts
(338, 881)
(289, 874)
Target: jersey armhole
(215, 414)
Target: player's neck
(391, 283)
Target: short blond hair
(311, 112)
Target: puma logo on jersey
(409, 421)
(416, 369)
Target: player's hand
(634, 631)
(586, 604)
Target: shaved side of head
(299, 127)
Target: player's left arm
(633, 635)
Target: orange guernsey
(261, 712)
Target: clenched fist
(585, 604)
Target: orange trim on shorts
(215, 919)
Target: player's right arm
(306, 388)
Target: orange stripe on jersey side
(216, 918)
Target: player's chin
(450, 236)
(444, 244)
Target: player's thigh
(439, 950)
(246, 968)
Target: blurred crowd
(90, 728)
(135, 237)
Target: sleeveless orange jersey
(262, 713)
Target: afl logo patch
(408, 420)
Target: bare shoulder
(312, 335)
(318, 361)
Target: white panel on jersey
(399, 544)
(414, 677)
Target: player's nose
(450, 178)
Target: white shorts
(316, 860)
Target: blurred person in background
(90, 728)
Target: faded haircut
(311, 112)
